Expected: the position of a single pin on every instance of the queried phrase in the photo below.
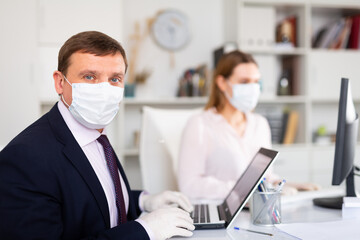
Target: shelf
(167, 101)
(330, 101)
(278, 51)
(131, 152)
(332, 51)
(283, 99)
(292, 3)
(326, 4)
(134, 152)
(294, 146)
(203, 100)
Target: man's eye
(88, 77)
(115, 80)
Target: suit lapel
(74, 153)
(131, 212)
(81, 163)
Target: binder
(291, 127)
(258, 28)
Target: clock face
(170, 30)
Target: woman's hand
(304, 186)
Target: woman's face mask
(94, 105)
(245, 96)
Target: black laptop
(208, 216)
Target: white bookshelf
(321, 70)
(316, 104)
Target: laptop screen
(248, 181)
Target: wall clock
(170, 30)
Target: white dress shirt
(213, 155)
(94, 152)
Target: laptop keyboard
(201, 213)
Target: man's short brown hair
(92, 42)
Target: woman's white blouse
(213, 155)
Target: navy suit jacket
(49, 190)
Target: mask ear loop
(62, 96)
(225, 93)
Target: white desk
(294, 209)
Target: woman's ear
(221, 83)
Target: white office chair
(159, 146)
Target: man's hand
(168, 222)
(165, 199)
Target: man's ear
(221, 83)
(59, 82)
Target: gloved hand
(168, 222)
(165, 199)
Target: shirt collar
(82, 134)
(217, 117)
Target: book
(258, 26)
(351, 202)
(284, 125)
(291, 127)
(331, 33)
(335, 43)
(293, 22)
(354, 33)
(345, 35)
(319, 37)
(274, 116)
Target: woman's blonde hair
(225, 68)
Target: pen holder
(266, 208)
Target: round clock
(170, 30)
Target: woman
(219, 143)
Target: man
(60, 178)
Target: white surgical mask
(94, 105)
(245, 96)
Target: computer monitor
(346, 138)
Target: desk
(294, 209)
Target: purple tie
(111, 162)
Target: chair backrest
(160, 139)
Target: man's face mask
(94, 105)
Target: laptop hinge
(221, 212)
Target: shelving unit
(319, 80)
(303, 160)
(316, 98)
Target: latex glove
(168, 222)
(165, 199)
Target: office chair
(160, 139)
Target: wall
(18, 99)
(206, 22)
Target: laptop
(211, 216)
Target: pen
(261, 187)
(269, 234)
(269, 204)
(280, 186)
(267, 184)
